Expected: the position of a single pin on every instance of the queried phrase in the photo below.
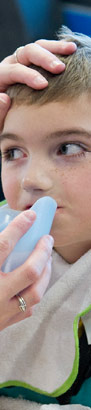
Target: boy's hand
(29, 280)
(15, 68)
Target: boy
(46, 150)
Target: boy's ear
(5, 103)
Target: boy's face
(49, 154)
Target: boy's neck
(73, 252)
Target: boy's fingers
(4, 106)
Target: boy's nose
(36, 182)
(35, 175)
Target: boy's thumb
(4, 106)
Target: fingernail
(3, 100)
(30, 215)
(50, 239)
(56, 63)
(73, 44)
(40, 80)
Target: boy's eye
(12, 154)
(67, 150)
(70, 149)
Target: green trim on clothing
(83, 397)
(68, 383)
(3, 202)
(26, 394)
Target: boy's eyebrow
(55, 134)
(10, 136)
(68, 132)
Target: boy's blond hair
(75, 80)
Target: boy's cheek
(9, 189)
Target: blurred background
(25, 21)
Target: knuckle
(21, 223)
(39, 42)
(28, 272)
(32, 272)
(4, 245)
(28, 47)
(12, 71)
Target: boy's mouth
(29, 206)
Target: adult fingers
(28, 273)
(58, 46)
(25, 54)
(32, 295)
(17, 73)
(14, 231)
(17, 318)
(40, 56)
(9, 308)
(35, 292)
(4, 106)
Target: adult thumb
(5, 103)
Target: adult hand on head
(31, 279)
(15, 68)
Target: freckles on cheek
(72, 184)
(78, 191)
